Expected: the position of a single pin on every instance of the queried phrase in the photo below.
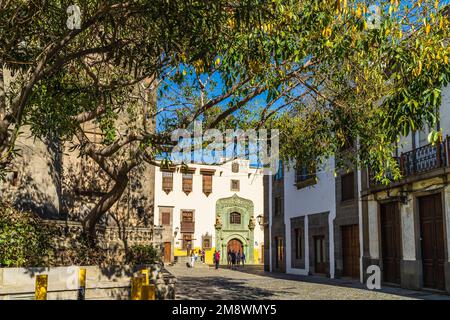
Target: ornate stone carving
(218, 224)
(251, 223)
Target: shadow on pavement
(219, 288)
(345, 283)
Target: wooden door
(167, 251)
(390, 242)
(320, 265)
(432, 241)
(350, 250)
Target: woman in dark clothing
(233, 260)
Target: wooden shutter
(187, 182)
(207, 184)
(167, 181)
(165, 218)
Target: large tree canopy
(323, 72)
(327, 72)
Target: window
(235, 218)
(167, 181)
(279, 174)
(304, 173)
(278, 205)
(187, 182)
(187, 216)
(347, 186)
(235, 167)
(187, 241)
(298, 243)
(234, 185)
(206, 243)
(207, 184)
(165, 218)
(187, 221)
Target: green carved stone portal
(243, 231)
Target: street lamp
(175, 232)
(260, 220)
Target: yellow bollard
(136, 287)
(82, 284)
(148, 292)
(145, 272)
(41, 287)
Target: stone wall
(346, 214)
(112, 282)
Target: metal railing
(420, 160)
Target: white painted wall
(251, 187)
(318, 198)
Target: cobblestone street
(203, 282)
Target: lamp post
(261, 220)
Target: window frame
(233, 216)
(238, 185)
(344, 191)
(167, 187)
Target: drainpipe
(331, 218)
(270, 223)
(360, 220)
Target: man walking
(217, 258)
(243, 258)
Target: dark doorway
(235, 245)
(390, 242)
(432, 241)
(350, 251)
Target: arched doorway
(235, 245)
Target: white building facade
(309, 212)
(210, 207)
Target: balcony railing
(187, 227)
(421, 160)
(424, 158)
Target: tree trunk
(105, 203)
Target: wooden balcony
(187, 227)
(421, 160)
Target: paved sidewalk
(204, 282)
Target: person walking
(233, 260)
(193, 257)
(229, 259)
(238, 259)
(203, 255)
(217, 259)
(243, 258)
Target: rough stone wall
(278, 226)
(34, 182)
(52, 180)
(346, 214)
